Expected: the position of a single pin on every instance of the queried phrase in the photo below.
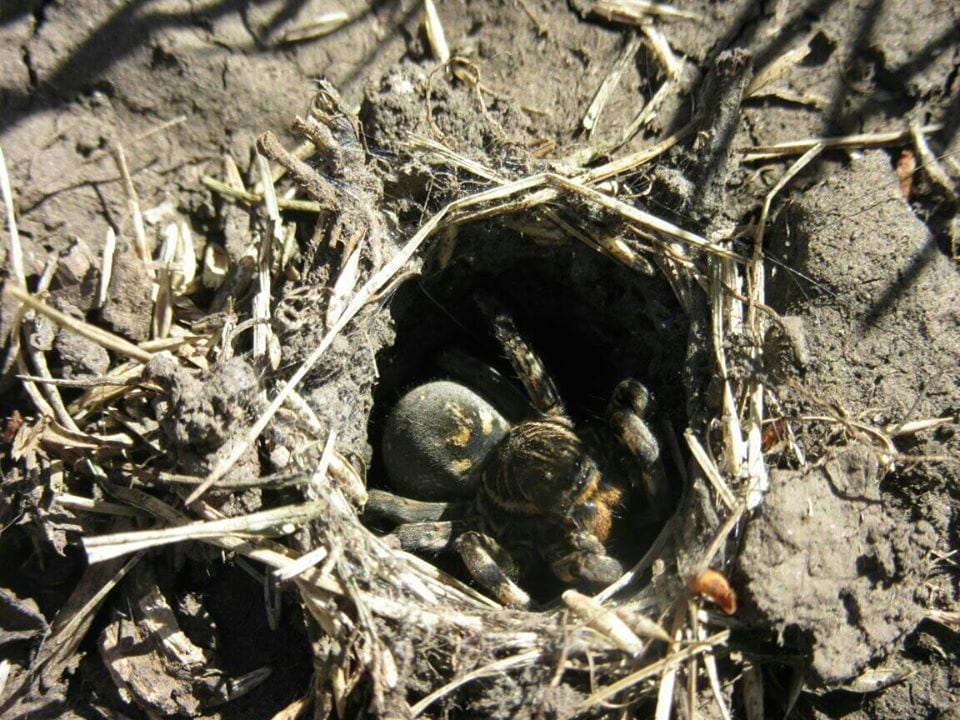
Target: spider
(529, 490)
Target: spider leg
(581, 556)
(435, 537)
(399, 509)
(422, 526)
(526, 363)
(485, 559)
(631, 404)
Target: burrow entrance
(593, 322)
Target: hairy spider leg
(526, 363)
(631, 405)
(485, 559)
(581, 556)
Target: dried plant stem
(282, 519)
(754, 277)
(252, 198)
(106, 266)
(720, 538)
(20, 281)
(931, 166)
(94, 334)
(77, 502)
(36, 397)
(710, 664)
(435, 34)
(610, 82)
(658, 43)
(653, 669)
(90, 332)
(16, 250)
(456, 211)
(858, 140)
(631, 162)
(133, 205)
(776, 69)
(261, 300)
(323, 24)
(710, 471)
(605, 621)
(52, 392)
(367, 291)
(638, 12)
(494, 668)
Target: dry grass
(631, 641)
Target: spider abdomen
(436, 439)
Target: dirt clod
(852, 606)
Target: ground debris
(359, 244)
(847, 609)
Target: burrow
(592, 320)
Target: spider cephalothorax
(533, 489)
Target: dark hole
(821, 48)
(592, 321)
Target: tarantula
(533, 488)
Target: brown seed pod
(712, 585)
(905, 169)
(10, 428)
(773, 433)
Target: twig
(651, 670)
(796, 147)
(90, 332)
(285, 519)
(494, 668)
(252, 198)
(931, 166)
